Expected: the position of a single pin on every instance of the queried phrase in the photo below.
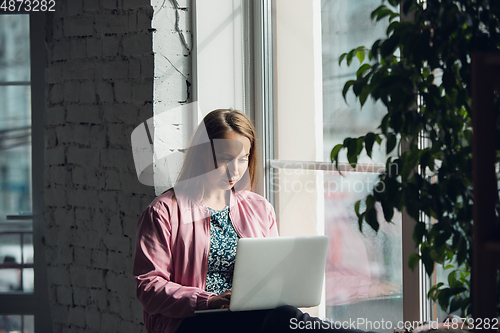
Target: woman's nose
(232, 168)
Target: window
(278, 62)
(23, 294)
(292, 89)
(223, 55)
(311, 117)
(366, 273)
(16, 235)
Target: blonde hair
(217, 123)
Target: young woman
(186, 238)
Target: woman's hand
(220, 301)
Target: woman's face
(231, 160)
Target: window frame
(264, 87)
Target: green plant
(421, 72)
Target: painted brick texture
(99, 87)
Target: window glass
(345, 26)
(16, 245)
(17, 323)
(364, 275)
(14, 48)
(364, 270)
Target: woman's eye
(228, 159)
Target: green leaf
(362, 69)
(342, 56)
(335, 152)
(358, 86)
(375, 12)
(391, 142)
(393, 26)
(356, 207)
(452, 279)
(441, 239)
(389, 46)
(375, 48)
(349, 56)
(444, 298)
(360, 221)
(347, 85)
(352, 152)
(369, 140)
(360, 54)
(434, 290)
(359, 146)
(363, 96)
(385, 123)
(457, 290)
(419, 232)
(413, 261)
(380, 12)
(456, 303)
(427, 260)
(393, 16)
(370, 202)
(371, 218)
(425, 156)
(438, 255)
(465, 306)
(334, 155)
(388, 210)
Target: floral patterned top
(223, 241)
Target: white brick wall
(99, 84)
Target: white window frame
(222, 59)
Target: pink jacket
(171, 254)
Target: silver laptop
(270, 272)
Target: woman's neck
(216, 199)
